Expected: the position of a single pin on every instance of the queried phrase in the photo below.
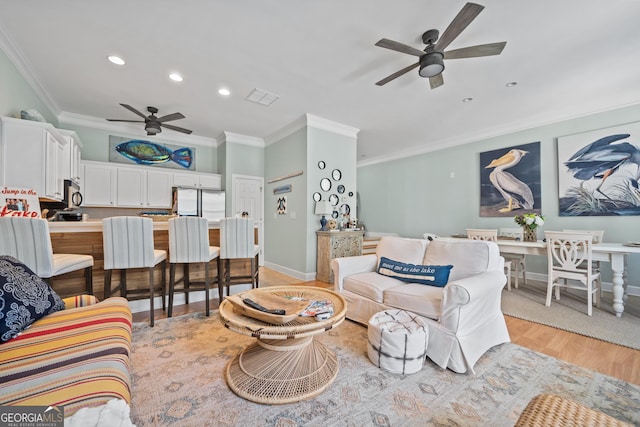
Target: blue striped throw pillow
(434, 275)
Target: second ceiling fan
(431, 59)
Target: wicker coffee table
(285, 364)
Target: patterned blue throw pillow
(24, 298)
(434, 275)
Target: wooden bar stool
(128, 243)
(28, 240)
(237, 242)
(189, 244)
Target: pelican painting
(599, 172)
(507, 179)
(516, 193)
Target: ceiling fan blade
(436, 81)
(134, 111)
(467, 14)
(176, 128)
(169, 117)
(399, 47)
(476, 51)
(397, 74)
(130, 121)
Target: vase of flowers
(529, 223)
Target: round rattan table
(285, 364)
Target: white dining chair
(29, 241)
(189, 244)
(490, 234)
(570, 257)
(128, 243)
(237, 242)
(517, 260)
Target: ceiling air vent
(261, 97)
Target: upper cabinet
(130, 186)
(71, 155)
(197, 180)
(32, 156)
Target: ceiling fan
(153, 124)
(431, 58)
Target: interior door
(248, 196)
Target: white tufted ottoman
(397, 341)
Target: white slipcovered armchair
(464, 317)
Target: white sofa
(464, 317)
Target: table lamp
(323, 207)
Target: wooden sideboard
(335, 244)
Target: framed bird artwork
(510, 181)
(598, 172)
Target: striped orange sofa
(76, 357)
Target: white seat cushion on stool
(397, 341)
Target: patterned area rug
(570, 313)
(178, 379)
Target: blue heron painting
(599, 173)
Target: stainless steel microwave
(72, 195)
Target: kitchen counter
(96, 226)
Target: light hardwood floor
(609, 359)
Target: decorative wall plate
(321, 165)
(345, 209)
(334, 214)
(333, 199)
(340, 188)
(336, 175)
(325, 184)
(317, 197)
(350, 193)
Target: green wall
(286, 237)
(238, 159)
(17, 94)
(416, 195)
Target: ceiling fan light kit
(431, 59)
(431, 64)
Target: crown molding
(21, 63)
(237, 138)
(495, 132)
(316, 122)
(102, 124)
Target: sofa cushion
(24, 298)
(419, 299)
(401, 249)
(370, 285)
(434, 275)
(77, 358)
(468, 257)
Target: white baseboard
(303, 277)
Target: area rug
(570, 313)
(178, 368)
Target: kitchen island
(85, 237)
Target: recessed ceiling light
(467, 100)
(115, 60)
(512, 84)
(224, 92)
(175, 77)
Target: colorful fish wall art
(149, 153)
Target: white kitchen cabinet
(159, 189)
(131, 186)
(31, 157)
(98, 184)
(197, 180)
(72, 154)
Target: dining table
(613, 253)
